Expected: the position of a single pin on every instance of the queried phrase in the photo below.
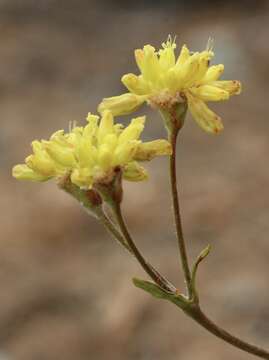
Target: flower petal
(124, 153)
(148, 150)
(41, 164)
(184, 55)
(187, 72)
(210, 93)
(61, 155)
(135, 84)
(232, 86)
(106, 125)
(148, 62)
(167, 54)
(105, 156)
(82, 177)
(203, 64)
(123, 104)
(213, 73)
(205, 117)
(23, 172)
(132, 131)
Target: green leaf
(159, 293)
(151, 288)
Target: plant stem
(177, 216)
(197, 314)
(194, 311)
(153, 273)
(111, 228)
(190, 306)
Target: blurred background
(66, 290)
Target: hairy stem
(177, 216)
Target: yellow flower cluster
(166, 80)
(90, 154)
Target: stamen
(210, 44)
(72, 124)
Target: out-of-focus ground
(66, 290)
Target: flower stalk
(153, 273)
(177, 216)
(112, 194)
(174, 117)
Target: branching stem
(153, 273)
(194, 310)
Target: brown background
(66, 290)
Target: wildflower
(166, 80)
(89, 155)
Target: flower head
(91, 154)
(166, 80)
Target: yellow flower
(166, 80)
(91, 154)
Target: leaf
(159, 293)
(203, 254)
(151, 288)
